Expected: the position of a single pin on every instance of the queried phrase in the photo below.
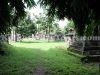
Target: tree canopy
(45, 22)
(11, 11)
(82, 12)
(26, 27)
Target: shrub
(5, 48)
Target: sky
(36, 10)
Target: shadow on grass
(29, 42)
(40, 41)
(20, 61)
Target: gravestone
(59, 35)
(68, 39)
(89, 48)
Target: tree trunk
(7, 38)
(15, 37)
(21, 38)
(48, 37)
(48, 33)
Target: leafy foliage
(68, 27)
(44, 22)
(82, 12)
(11, 11)
(26, 27)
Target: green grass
(21, 61)
(26, 56)
(40, 44)
(60, 63)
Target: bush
(5, 48)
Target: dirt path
(40, 70)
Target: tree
(26, 27)
(68, 27)
(82, 12)
(11, 11)
(49, 26)
(55, 27)
(44, 23)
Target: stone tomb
(86, 47)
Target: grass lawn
(40, 44)
(25, 57)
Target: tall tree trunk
(14, 36)
(21, 38)
(48, 37)
(48, 33)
